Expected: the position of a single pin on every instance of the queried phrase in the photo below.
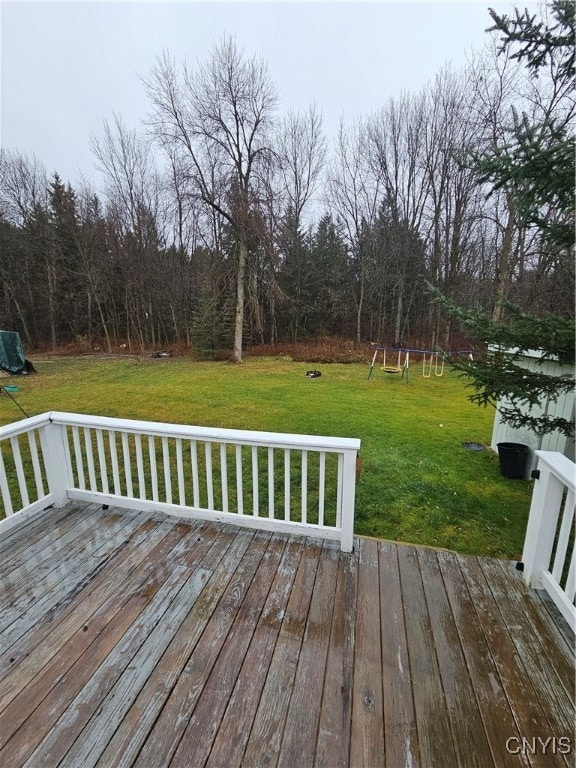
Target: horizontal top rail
(24, 425)
(559, 465)
(216, 434)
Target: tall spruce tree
(536, 163)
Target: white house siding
(564, 406)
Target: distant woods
(221, 223)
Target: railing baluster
(127, 465)
(6, 497)
(166, 462)
(255, 498)
(78, 458)
(304, 489)
(102, 460)
(180, 472)
(195, 480)
(287, 484)
(321, 487)
(114, 462)
(16, 455)
(271, 483)
(67, 455)
(570, 587)
(140, 466)
(90, 459)
(340, 491)
(209, 482)
(36, 464)
(153, 470)
(224, 477)
(239, 489)
(564, 536)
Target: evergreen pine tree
(537, 165)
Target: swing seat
(392, 370)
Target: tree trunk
(400, 307)
(52, 305)
(239, 317)
(504, 261)
(359, 308)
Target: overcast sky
(66, 66)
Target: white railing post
(348, 495)
(56, 461)
(542, 523)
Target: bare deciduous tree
(217, 121)
(355, 192)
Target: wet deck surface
(136, 639)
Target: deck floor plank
(169, 729)
(131, 660)
(129, 737)
(230, 741)
(333, 742)
(60, 615)
(173, 642)
(37, 708)
(400, 731)
(550, 689)
(270, 720)
(532, 720)
(432, 717)
(470, 741)
(48, 560)
(542, 628)
(50, 608)
(300, 732)
(43, 526)
(494, 705)
(367, 729)
(197, 739)
(45, 577)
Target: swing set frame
(431, 359)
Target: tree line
(222, 224)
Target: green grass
(418, 483)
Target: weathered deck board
(432, 717)
(400, 732)
(265, 735)
(133, 730)
(65, 610)
(300, 731)
(134, 653)
(367, 728)
(161, 642)
(128, 616)
(230, 741)
(196, 743)
(470, 742)
(76, 576)
(493, 703)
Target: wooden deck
(135, 639)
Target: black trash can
(513, 459)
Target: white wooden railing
(269, 480)
(549, 555)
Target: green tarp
(12, 352)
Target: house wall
(564, 406)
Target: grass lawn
(418, 483)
